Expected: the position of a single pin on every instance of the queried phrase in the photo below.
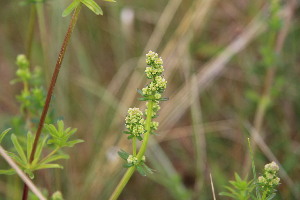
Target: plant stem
(122, 183)
(148, 130)
(51, 88)
(142, 151)
(50, 154)
(134, 146)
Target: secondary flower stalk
(140, 128)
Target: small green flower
(134, 122)
(132, 160)
(22, 61)
(269, 180)
(272, 167)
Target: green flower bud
(22, 61)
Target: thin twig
(21, 174)
(212, 187)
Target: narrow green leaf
(72, 131)
(127, 165)
(144, 99)
(93, 6)
(110, 0)
(271, 196)
(51, 129)
(7, 171)
(18, 148)
(139, 138)
(147, 169)
(17, 159)
(164, 99)
(2, 135)
(141, 170)
(73, 142)
(30, 139)
(54, 158)
(49, 166)
(39, 150)
(60, 127)
(227, 194)
(29, 173)
(123, 154)
(130, 137)
(68, 129)
(70, 8)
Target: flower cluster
(134, 160)
(137, 126)
(154, 71)
(155, 65)
(269, 180)
(134, 122)
(23, 72)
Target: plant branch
(50, 154)
(51, 88)
(142, 151)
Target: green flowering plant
(31, 157)
(265, 185)
(32, 96)
(269, 180)
(140, 128)
(59, 137)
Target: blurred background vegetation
(231, 75)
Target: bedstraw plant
(259, 188)
(28, 152)
(140, 128)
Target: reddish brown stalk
(51, 88)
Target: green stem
(50, 154)
(142, 151)
(134, 146)
(122, 183)
(148, 130)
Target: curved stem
(142, 151)
(51, 89)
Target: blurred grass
(212, 61)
